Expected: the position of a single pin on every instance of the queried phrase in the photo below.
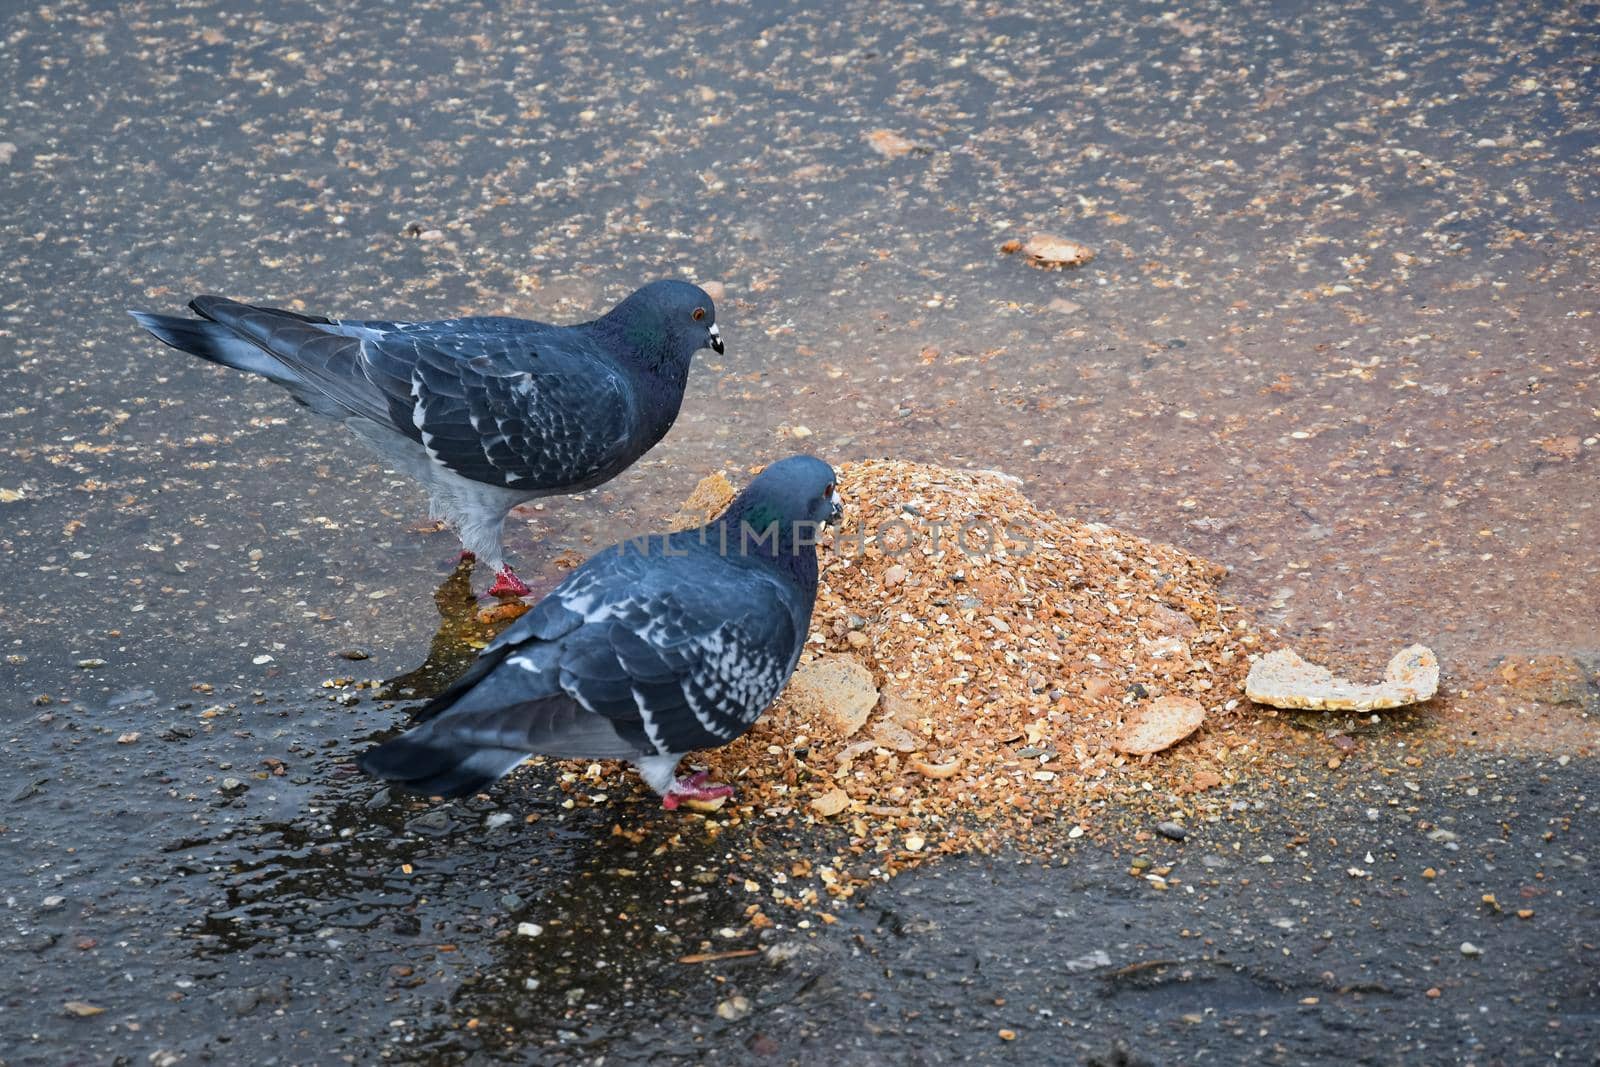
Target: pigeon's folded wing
(633, 654)
(524, 419)
(690, 666)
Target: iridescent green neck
(756, 528)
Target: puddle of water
(523, 910)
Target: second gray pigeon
(486, 412)
(651, 649)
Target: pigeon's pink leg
(694, 787)
(506, 583)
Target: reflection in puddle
(464, 629)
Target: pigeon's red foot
(507, 584)
(694, 787)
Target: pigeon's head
(792, 498)
(669, 321)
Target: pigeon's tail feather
(432, 763)
(321, 358)
(221, 340)
(217, 343)
(298, 316)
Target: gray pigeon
(487, 413)
(653, 648)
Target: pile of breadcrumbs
(973, 663)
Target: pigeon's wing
(687, 651)
(510, 707)
(502, 401)
(517, 705)
(532, 418)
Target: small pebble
(1171, 830)
(734, 1008)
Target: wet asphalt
(1376, 915)
(1339, 335)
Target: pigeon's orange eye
(699, 313)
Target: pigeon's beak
(835, 509)
(716, 339)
